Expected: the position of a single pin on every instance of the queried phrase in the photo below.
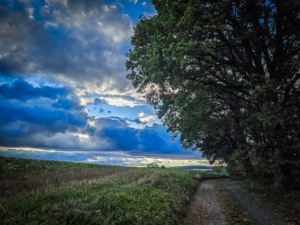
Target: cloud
(149, 140)
(118, 100)
(22, 90)
(79, 42)
(134, 1)
(103, 157)
(144, 118)
(144, 3)
(31, 114)
(56, 58)
(43, 116)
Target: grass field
(51, 192)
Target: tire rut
(206, 208)
(255, 210)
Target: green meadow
(51, 192)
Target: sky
(64, 94)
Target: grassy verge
(49, 192)
(285, 203)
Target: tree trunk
(249, 168)
(282, 174)
(278, 175)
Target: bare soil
(206, 208)
(254, 209)
(209, 208)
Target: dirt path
(206, 208)
(255, 210)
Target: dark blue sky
(63, 90)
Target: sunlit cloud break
(104, 157)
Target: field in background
(51, 192)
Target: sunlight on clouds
(144, 161)
(82, 137)
(30, 149)
(101, 157)
(144, 118)
(141, 114)
(91, 122)
(121, 101)
(99, 88)
(97, 159)
(109, 86)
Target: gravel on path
(206, 208)
(255, 210)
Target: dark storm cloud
(77, 40)
(151, 140)
(58, 119)
(41, 116)
(22, 90)
(28, 113)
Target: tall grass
(49, 192)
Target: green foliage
(225, 76)
(152, 165)
(112, 195)
(217, 169)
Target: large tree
(224, 74)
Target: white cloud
(50, 24)
(148, 118)
(141, 114)
(144, 3)
(116, 31)
(106, 20)
(121, 101)
(144, 118)
(30, 11)
(134, 1)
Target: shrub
(153, 165)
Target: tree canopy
(225, 76)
